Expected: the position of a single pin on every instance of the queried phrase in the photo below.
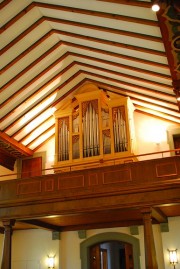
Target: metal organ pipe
(119, 127)
(63, 141)
(90, 132)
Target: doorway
(176, 139)
(111, 255)
(126, 244)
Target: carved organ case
(92, 129)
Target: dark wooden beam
(13, 147)
(158, 215)
(129, 2)
(6, 160)
(41, 224)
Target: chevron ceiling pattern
(50, 48)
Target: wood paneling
(81, 200)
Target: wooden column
(176, 85)
(150, 252)
(6, 256)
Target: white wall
(151, 134)
(31, 247)
(6, 174)
(171, 240)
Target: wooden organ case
(93, 130)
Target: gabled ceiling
(49, 48)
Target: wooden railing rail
(101, 162)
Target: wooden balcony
(107, 196)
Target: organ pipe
(92, 126)
(119, 128)
(63, 140)
(90, 132)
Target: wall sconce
(51, 262)
(173, 257)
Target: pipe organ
(93, 129)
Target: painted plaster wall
(151, 135)
(30, 248)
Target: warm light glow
(155, 7)
(173, 256)
(51, 262)
(51, 158)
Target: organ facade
(93, 129)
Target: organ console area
(94, 129)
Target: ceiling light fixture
(158, 3)
(156, 6)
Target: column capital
(9, 222)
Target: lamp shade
(51, 262)
(173, 256)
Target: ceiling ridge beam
(74, 10)
(123, 92)
(104, 29)
(25, 70)
(99, 14)
(118, 55)
(64, 70)
(93, 39)
(120, 73)
(127, 84)
(57, 45)
(129, 2)
(100, 40)
(111, 43)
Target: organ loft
(93, 129)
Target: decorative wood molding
(13, 148)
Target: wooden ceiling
(50, 48)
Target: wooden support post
(150, 252)
(6, 257)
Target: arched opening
(110, 251)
